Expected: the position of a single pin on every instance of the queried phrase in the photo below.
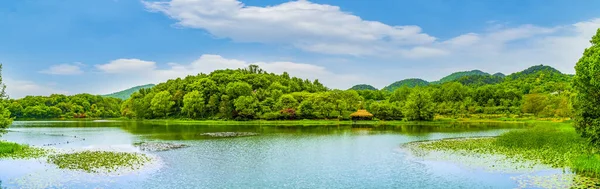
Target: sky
(104, 46)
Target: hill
(539, 79)
(456, 75)
(363, 87)
(413, 82)
(125, 94)
(534, 71)
(479, 80)
(499, 74)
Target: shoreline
(320, 122)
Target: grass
(99, 161)
(19, 151)
(557, 145)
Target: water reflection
(345, 156)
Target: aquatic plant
(99, 161)
(158, 146)
(558, 146)
(19, 151)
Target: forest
(252, 93)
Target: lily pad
(158, 146)
(99, 161)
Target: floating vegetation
(554, 146)
(158, 146)
(18, 151)
(229, 134)
(99, 161)
(557, 181)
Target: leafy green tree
(246, 106)
(419, 106)
(306, 109)
(287, 101)
(193, 104)
(213, 104)
(238, 89)
(400, 94)
(225, 107)
(161, 104)
(381, 110)
(587, 85)
(534, 103)
(5, 119)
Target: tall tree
(587, 86)
(419, 106)
(5, 119)
(193, 105)
(161, 104)
(534, 103)
(246, 106)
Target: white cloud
(309, 26)
(20, 88)
(208, 63)
(64, 69)
(127, 66)
(513, 49)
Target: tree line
(251, 93)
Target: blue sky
(102, 46)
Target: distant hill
(499, 74)
(534, 71)
(479, 80)
(125, 94)
(413, 82)
(539, 79)
(363, 87)
(456, 75)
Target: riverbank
(334, 122)
(555, 144)
(438, 120)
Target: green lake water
(279, 157)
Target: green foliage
(456, 75)
(555, 145)
(98, 161)
(161, 104)
(363, 87)
(306, 109)
(18, 151)
(587, 87)
(125, 94)
(534, 103)
(193, 104)
(62, 106)
(414, 82)
(480, 80)
(419, 106)
(246, 107)
(5, 118)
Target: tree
(534, 103)
(306, 109)
(587, 86)
(5, 119)
(237, 89)
(193, 105)
(419, 106)
(287, 101)
(381, 110)
(246, 106)
(161, 104)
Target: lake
(279, 157)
